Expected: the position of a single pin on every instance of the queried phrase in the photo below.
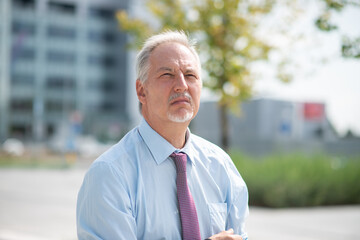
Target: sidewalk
(40, 204)
(320, 223)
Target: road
(39, 204)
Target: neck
(173, 132)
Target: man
(160, 181)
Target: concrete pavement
(38, 204)
(320, 223)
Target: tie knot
(180, 160)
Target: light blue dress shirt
(129, 192)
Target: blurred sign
(314, 111)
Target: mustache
(177, 95)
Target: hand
(228, 234)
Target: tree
(227, 38)
(350, 46)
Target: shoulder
(211, 156)
(208, 148)
(119, 157)
(122, 149)
(216, 160)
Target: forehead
(172, 54)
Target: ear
(140, 91)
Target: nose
(180, 83)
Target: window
(108, 86)
(107, 106)
(24, 3)
(19, 52)
(22, 79)
(20, 130)
(24, 105)
(61, 32)
(63, 8)
(23, 28)
(53, 106)
(50, 130)
(60, 82)
(101, 37)
(105, 85)
(61, 57)
(104, 14)
(105, 61)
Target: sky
(320, 73)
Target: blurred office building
(65, 72)
(62, 62)
(268, 126)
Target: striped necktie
(188, 215)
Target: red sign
(314, 111)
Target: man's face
(172, 90)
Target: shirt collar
(187, 148)
(159, 147)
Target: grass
(298, 180)
(293, 180)
(33, 161)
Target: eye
(190, 75)
(166, 74)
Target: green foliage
(41, 161)
(226, 34)
(350, 47)
(323, 23)
(298, 180)
(227, 37)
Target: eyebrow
(169, 69)
(190, 70)
(165, 69)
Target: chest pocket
(218, 212)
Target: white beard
(177, 117)
(181, 119)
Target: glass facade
(64, 57)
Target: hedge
(299, 180)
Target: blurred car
(13, 147)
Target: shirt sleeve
(238, 208)
(238, 212)
(103, 207)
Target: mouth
(180, 100)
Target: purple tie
(188, 215)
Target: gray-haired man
(160, 181)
